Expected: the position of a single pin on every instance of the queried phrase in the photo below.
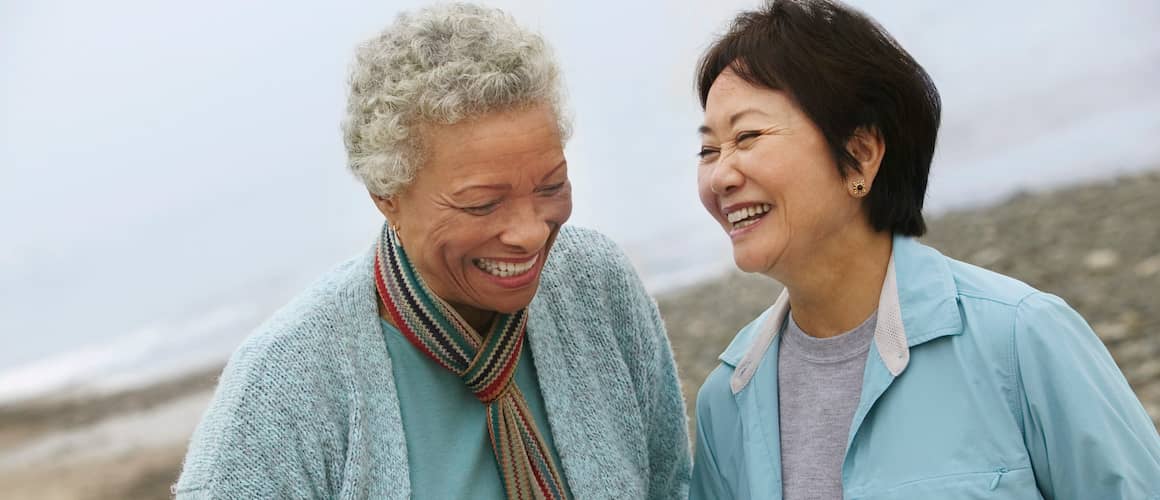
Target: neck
(390, 255)
(838, 285)
(478, 319)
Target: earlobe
(858, 188)
(388, 206)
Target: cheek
(813, 208)
(560, 209)
(553, 210)
(450, 239)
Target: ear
(867, 147)
(388, 206)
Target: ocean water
(170, 174)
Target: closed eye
(552, 189)
(746, 138)
(706, 152)
(484, 209)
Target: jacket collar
(918, 303)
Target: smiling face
(484, 208)
(768, 177)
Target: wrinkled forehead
(523, 138)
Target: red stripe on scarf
(512, 446)
(543, 454)
(398, 317)
(492, 391)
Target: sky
(161, 159)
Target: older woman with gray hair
(481, 349)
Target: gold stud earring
(858, 187)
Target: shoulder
(299, 350)
(989, 304)
(306, 332)
(716, 411)
(1005, 303)
(1015, 318)
(589, 281)
(289, 381)
(583, 249)
(290, 375)
(743, 341)
(587, 266)
(715, 395)
(1046, 323)
(976, 283)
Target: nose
(724, 177)
(527, 230)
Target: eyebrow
(473, 187)
(704, 129)
(563, 163)
(501, 187)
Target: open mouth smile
(741, 218)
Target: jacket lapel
(754, 385)
(918, 304)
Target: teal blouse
(447, 443)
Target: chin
(753, 262)
(508, 305)
(746, 265)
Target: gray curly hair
(439, 65)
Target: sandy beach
(1097, 246)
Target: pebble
(1101, 259)
(1112, 331)
(987, 257)
(1144, 372)
(1148, 267)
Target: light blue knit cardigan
(307, 408)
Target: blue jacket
(976, 386)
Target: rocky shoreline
(1097, 246)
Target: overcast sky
(157, 158)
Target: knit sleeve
(649, 357)
(269, 431)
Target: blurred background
(170, 173)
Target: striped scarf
(486, 365)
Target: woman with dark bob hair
(885, 370)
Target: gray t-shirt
(819, 382)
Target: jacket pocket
(1000, 482)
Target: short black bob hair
(845, 73)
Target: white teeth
(738, 216)
(744, 223)
(506, 269)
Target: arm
(665, 417)
(1087, 434)
(262, 436)
(658, 387)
